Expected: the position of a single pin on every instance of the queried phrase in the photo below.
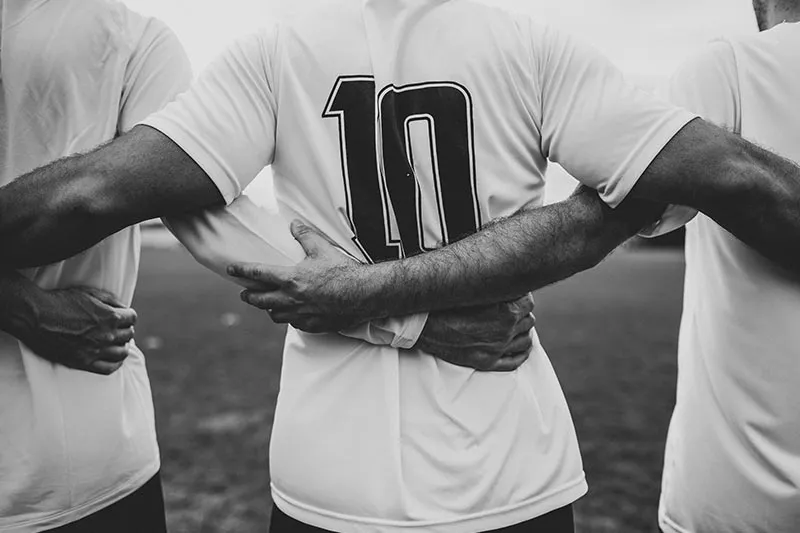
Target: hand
(492, 338)
(310, 296)
(81, 328)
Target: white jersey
(733, 449)
(76, 73)
(394, 126)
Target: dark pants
(140, 512)
(558, 521)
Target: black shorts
(140, 512)
(558, 521)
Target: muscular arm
(507, 259)
(752, 193)
(527, 251)
(67, 206)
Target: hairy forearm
(752, 193)
(509, 258)
(764, 212)
(43, 217)
(69, 205)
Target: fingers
(113, 354)
(310, 238)
(517, 352)
(125, 318)
(274, 300)
(524, 325)
(105, 368)
(281, 317)
(524, 305)
(272, 276)
(520, 343)
(121, 337)
(509, 363)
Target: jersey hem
(668, 525)
(63, 518)
(484, 521)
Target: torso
(733, 451)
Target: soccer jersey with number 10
(396, 126)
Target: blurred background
(611, 333)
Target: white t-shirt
(733, 449)
(472, 101)
(76, 73)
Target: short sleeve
(706, 84)
(600, 128)
(226, 120)
(157, 71)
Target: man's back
(733, 450)
(394, 126)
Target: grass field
(214, 365)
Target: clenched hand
(81, 328)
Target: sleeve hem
(673, 218)
(650, 146)
(409, 335)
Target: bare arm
(504, 261)
(67, 206)
(749, 191)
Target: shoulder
(707, 83)
(716, 55)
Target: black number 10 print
(375, 184)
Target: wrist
(20, 299)
(371, 290)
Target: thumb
(310, 238)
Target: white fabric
(733, 448)
(369, 438)
(244, 232)
(75, 73)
